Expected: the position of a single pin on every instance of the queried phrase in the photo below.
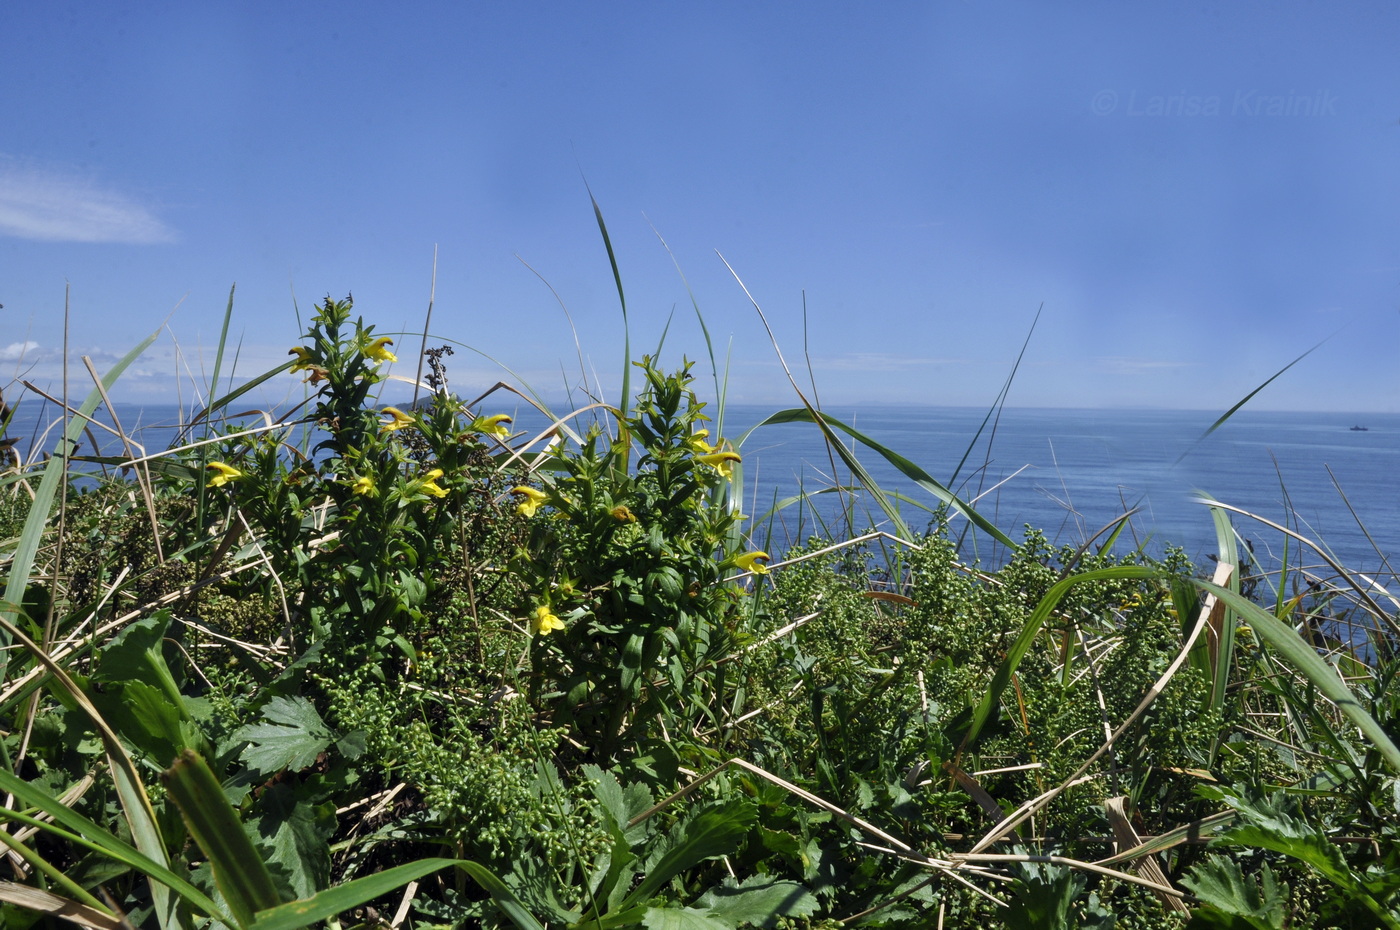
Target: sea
(1329, 477)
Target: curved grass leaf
(89, 835)
(239, 870)
(1303, 657)
(352, 894)
(992, 696)
(910, 470)
(54, 473)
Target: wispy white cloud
(17, 350)
(54, 205)
(1124, 365)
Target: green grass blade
(1303, 657)
(1222, 659)
(341, 898)
(920, 477)
(239, 391)
(1246, 399)
(131, 792)
(239, 870)
(998, 404)
(992, 696)
(625, 405)
(223, 340)
(89, 835)
(23, 560)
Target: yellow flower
(722, 462)
(364, 484)
(377, 350)
(492, 425)
(223, 474)
(543, 621)
(622, 514)
(530, 500)
(429, 485)
(697, 442)
(398, 420)
(303, 361)
(752, 562)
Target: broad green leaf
(682, 918)
(758, 900)
(138, 654)
(293, 736)
(143, 716)
(1242, 902)
(297, 835)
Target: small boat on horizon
(1361, 429)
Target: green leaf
(54, 472)
(333, 901)
(239, 871)
(916, 474)
(1237, 901)
(712, 832)
(292, 738)
(758, 900)
(1042, 897)
(682, 918)
(138, 654)
(1266, 823)
(297, 833)
(144, 717)
(88, 835)
(1301, 654)
(991, 698)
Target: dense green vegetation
(372, 666)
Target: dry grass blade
(1195, 830)
(1125, 837)
(1223, 572)
(36, 899)
(143, 474)
(1070, 863)
(904, 850)
(979, 794)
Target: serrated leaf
(758, 900)
(682, 918)
(293, 736)
(296, 834)
(1220, 884)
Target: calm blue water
(1081, 469)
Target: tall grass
(419, 670)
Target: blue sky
(1195, 197)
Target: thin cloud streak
(51, 206)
